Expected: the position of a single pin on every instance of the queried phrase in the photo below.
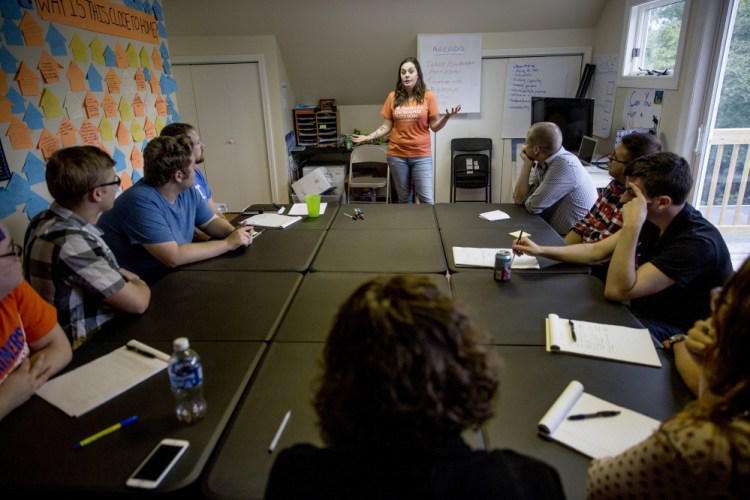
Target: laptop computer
(586, 150)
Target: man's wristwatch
(675, 339)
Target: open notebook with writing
(594, 437)
(271, 220)
(597, 340)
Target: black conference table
(513, 313)
(317, 301)
(466, 216)
(274, 250)
(209, 306)
(323, 221)
(386, 216)
(38, 438)
(531, 380)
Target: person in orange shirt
(33, 346)
(409, 113)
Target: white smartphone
(157, 464)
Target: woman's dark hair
(403, 365)
(402, 97)
(727, 369)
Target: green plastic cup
(313, 205)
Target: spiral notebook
(594, 437)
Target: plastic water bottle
(186, 379)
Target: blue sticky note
(167, 67)
(136, 176)
(7, 61)
(147, 74)
(110, 59)
(161, 29)
(147, 8)
(10, 9)
(119, 158)
(158, 12)
(163, 51)
(33, 168)
(26, 4)
(56, 42)
(164, 83)
(175, 117)
(143, 146)
(19, 103)
(12, 34)
(94, 78)
(33, 118)
(19, 188)
(35, 204)
(7, 203)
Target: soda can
(502, 265)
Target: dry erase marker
(279, 432)
(105, 432)
(606, 413)
(572, 330)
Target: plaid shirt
(72, 268)
(605, 218)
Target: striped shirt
(69, 264)
(560, 190)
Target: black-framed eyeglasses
(612, 158)
(115, 182)
(15, 250)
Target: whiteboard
(452, 69)
(526, 78)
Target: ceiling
(350, 50)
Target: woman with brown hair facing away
(404, 374)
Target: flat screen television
(574, 116)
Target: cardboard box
(318, 181)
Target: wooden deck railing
(726, 182)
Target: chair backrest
(472, 144)
(368, 153)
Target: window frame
(633, 30)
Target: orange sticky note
(126, 181)
(149, 129)
(91, 105)
(109, 105)
(3, 84)
(136, 157)
(28, 82)
(48, 143)
(155, 85)
(123, 136)
(140, 80)
(49, 67)
(6, 109)
(113, 81)
(67, 132)
(139, 107)
(121, 57)
(161, 106)
(76, 78)
(19, 133)
(157, 60)
(32, 31)
(89, 133)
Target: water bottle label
(185, 377)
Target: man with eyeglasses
(66, 258)
(605, 217)
(666, 259)
(33, 346)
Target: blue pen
(359, 213)
(105, 432)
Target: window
(652, 43)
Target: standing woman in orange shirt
(409, 113)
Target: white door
(223, 101)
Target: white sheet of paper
(494, 215)
(485, 257)
(301, 209)
(95, 383)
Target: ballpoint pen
(105, 432)
(350, 216)
(605, 413)
(572, 330)
(139, 351)
(279, 432)
(513, 256)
